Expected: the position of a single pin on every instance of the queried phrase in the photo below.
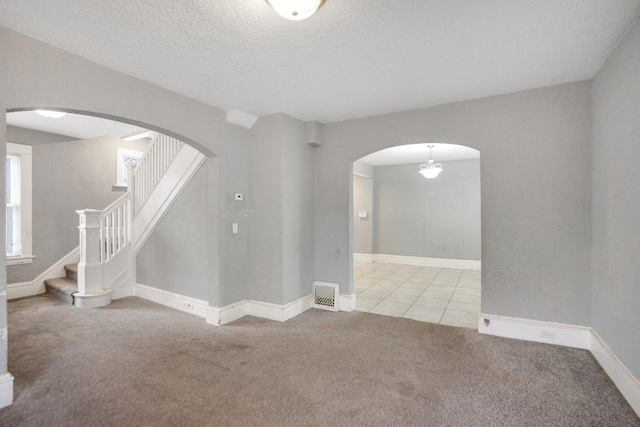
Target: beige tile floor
(429, 294)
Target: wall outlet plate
(239, 197)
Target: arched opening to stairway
(79, 163)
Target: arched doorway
(416, 241)
(79, 161)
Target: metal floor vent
(326, 296)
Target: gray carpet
(135, 363)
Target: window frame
(120, 168)
(25, 160)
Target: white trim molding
(226, 314)
(219, 316)
(24, 192)
(171, 299)
(461, 264)
(570, 336)
(362, 257)
(36, 286)
(621, 376)
(222, 315)
(6, 390)
(124, 291)
(535, 330)
(347, 302)
(279, 312)
(175, 179)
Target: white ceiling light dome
(51, 114)
(296, 10)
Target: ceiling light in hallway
(430, 170)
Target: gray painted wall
(363, 227)
(297, 210)
(282, 214)
(536, 193)
(265, 205)
(174, 257)
(33, 137)
(234, 276)
(616, 201)
(438, 218)
(74, 84)
(66, 176)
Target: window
(125, 158)
(18, 199)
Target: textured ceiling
(351, 59)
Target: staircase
(63, 288)
(111, 238)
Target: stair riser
(72, 275)
(59, 295)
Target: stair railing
(104, 234)
(115, 226)
(153, 164)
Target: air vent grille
(326, 296)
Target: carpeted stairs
(63, 288)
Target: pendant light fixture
(296, 10)
(430, 170)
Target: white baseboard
(36, 286)
(362, 257)
(171, 299)
(461, 264)
(347, 302)
(6, 390)
(534, 330)
(621, 376)
(123, 292)
(570, 336)
(226, 314)
(292, 309)
(222, 315)
(281, 313)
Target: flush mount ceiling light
(140, 135)
(51, 114)
(296, 10)
(430, 170)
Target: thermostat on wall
(362, 214)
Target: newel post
(90, 265)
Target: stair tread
(63, 285)
(71, 267)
